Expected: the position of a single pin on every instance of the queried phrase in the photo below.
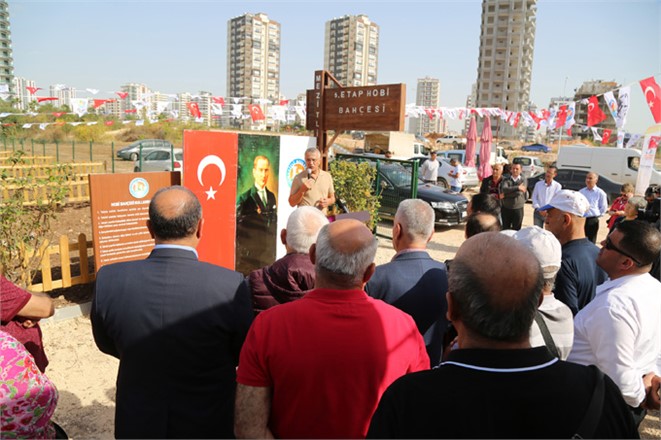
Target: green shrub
(354, 185)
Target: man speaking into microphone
(313, 186)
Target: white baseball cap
(569, 201)
(544, 245)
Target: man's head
(515, 170)
(493, 299)
(591, 180)
(343, 255)
(303, 226)
(634, 205)
(483, 202)
(453, 162)
(546, 248)
(551, 172)
(432, 155)
(260, 170)
(497, 171)
(413, 226)
(652, 192)
(388, 154)
(630, 249)
(312, 159)
(566, 215)
(481, 222)
(175, 215)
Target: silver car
(161, 160)
(131, 151)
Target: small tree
(354, 185)
(25, 222)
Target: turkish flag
(194, 109)
(58, 114)
(652, 93)
(218, 100)
(516, 120)
(284, 101)
(210, 171)
(122, 95)
(569, 131)
(109, 123)
(595, 115)
(256, 112)
(130, 110)
(430, 113)
(50, 98)
(606, 136)
(562, 116)
(32, 90)
(99, 102)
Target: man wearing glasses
(312, 186)
(619, 330)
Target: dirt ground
(85, 377)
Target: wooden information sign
(371, 108)
(120, 209)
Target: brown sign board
(370, 108)
(120, 209)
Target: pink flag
(218, 100)
(50, 98)
(32, 90)
(122, 95)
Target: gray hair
(639, 202)
(314, 150)
(417, 218)
(303, 227)
(351, 266)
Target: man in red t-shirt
(20, 312)
(316, 367)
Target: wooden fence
(45, 170)
(64, 249)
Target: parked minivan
(618, 164)
(498, 156)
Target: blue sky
(175, 46)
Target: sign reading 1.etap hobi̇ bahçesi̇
(120, 209)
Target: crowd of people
(527, 332)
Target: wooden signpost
(371, 108)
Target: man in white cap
(554, 323)
(579, 275)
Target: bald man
(176, 325)
(316, 367)
(494, 377)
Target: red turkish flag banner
(284, 102)
(652, 93)
(131, 110)
(58, 114)
(562, 116)
(516, 120)
(194, 109)
(99, 102)
(256, 112)
(122, 95)
(50, 98)
(210, 171)
(109, 123)
(569, 131)
(32, 90)
(218, 100)
(430, 113)
(606, 136)
(595, 115)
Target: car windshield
(398, 175)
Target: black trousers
(591, 228)
(512, 218)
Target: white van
(618, 164)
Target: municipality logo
(295, 166)
(139, 187)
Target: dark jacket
(288, 279)
(514, 197)
(256, 230)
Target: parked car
(575, 179)
(131, 151)
(161, 160)
(530, 165)
(470, 178)
(536, 147)
(498, 156)
(451, 139)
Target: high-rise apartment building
(351, 50)
(253, 57)
(136, 92)
(63, 94)
(507, 43)
(585, 91)
(6, 57)
(428, 94)
(21, 92)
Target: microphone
(309, 173)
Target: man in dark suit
(256, 221)
(414, 282)
(177, 326)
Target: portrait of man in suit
(256, 220)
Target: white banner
(623, 96)
(79, 106)
(646, 167)
(611, 103)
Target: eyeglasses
(608, 244)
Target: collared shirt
(619, 332)
(542, 193)
(177, 246)
(406, 251)
(597, 199)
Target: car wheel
(134, 156)
(442, 183)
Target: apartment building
(136, 92)
(6, 56)
(21, 93)
(585, 91)
(507, 42)
(470, 103)
(253, 57)
(351, 50)
(64, 94)
(428, 95)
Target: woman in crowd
(617, 208)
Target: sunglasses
(608, 244)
